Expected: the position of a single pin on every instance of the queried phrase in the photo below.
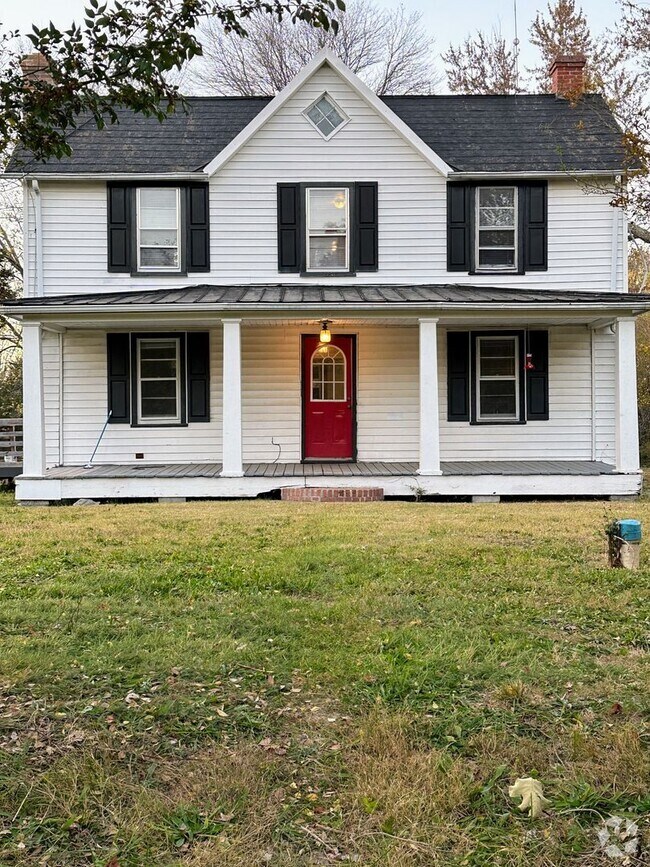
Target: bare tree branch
(638, 232)
(389, 49)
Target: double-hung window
(158, 380)
(497, 378)
(328, 229)
(158, 211)
(496, 228)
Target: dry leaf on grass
(532, 796)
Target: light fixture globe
(325, 333)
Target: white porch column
(429, 412)
(232, 430)
(33, 405)
(627, 422)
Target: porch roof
(287, 297)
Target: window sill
(497, 273)
(319, 274)
(483, 423)
(159, 274)
(160, 425)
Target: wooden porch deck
(314, 469)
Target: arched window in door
(328, 374)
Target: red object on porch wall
(328, 398)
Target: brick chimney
(568, 75)
(36, 67)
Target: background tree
(562, 29)
(482, 64)
(11, 278)
(121, 55)
(128, 54)
(388, 48)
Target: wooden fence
(11, 447)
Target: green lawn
(265, 683)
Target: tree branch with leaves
(482, 64)
(121, 55)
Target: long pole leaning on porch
(100, 438)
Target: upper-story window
(496, 228)
(328, 238)
(158, 228)
(326, 116)
(329, 229)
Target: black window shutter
(367, 228)
(458, 376)
(119, 377)
(119, 227)
(198, 227)
(289, 228)
(459, 228)
(537, 378)
(198, 376)
(535, 226)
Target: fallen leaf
(532, 796)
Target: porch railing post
(429, 410)
(232, 423)
(627, 423)
(33, 409)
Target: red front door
(328, 398)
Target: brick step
(332, 495)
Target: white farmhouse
(331, 290)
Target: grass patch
(258, 682)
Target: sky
(441, 17)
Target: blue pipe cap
(629, 529)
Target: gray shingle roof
(336, 295)
(526, 133)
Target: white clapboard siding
(567, 433)
(388, 403)
(271, 412)
(85, 410)
(412, 211)
(605, 395)
(387, 393)
(51, 396)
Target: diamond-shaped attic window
(326, 116)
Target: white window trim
(159, 420)
(510, 269)
(346, 118)
(515, 378)
(312, 399)
(159, 268)
(323, 234)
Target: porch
(340, 469)
(412, 418)
(476, 479)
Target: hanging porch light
(325, 333)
